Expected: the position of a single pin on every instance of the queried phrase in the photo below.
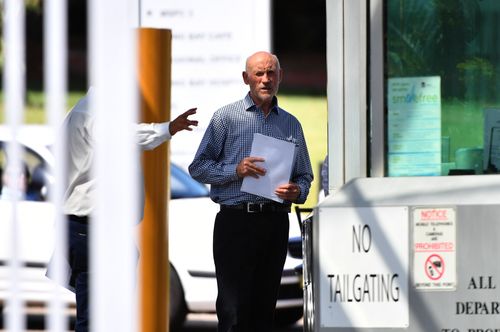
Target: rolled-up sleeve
(151, 135)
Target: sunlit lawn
(310, 110)
(35, 102)
(461, 122)
(312, 114)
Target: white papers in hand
(279, 157)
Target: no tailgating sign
(364, 267)
(434, 248)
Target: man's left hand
(182, 122)
(288, 192)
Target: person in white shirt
(78, 205)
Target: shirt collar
(250, 105)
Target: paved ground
(194, 323)
(208, 323)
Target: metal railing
(113, 73)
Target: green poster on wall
(414, 126)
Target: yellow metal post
(154, 83)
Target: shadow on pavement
(37, 323)
(194, 323)
(208, 323)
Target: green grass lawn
(462, 122)
(310, 110)
(312, 114)
(35, 102)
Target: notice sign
(434, 248)
(363, 266)
(414, 126)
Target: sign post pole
(154, 83)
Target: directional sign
(210, 43)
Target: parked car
(191, 214)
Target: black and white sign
(364, 267)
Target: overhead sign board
(210, 43)
(364, 267)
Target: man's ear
(280, 75)
(245, 77)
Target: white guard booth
(405, 254)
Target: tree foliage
(32, 6)
(444, 38)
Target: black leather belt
(257, 207)
(78, 219)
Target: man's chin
(266, 95)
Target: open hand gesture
(182, 122)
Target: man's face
(263, 75)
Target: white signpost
(211, 41)
(364, 267)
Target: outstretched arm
(150, 135)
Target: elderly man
(251, 232)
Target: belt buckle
(250, 208)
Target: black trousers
(78, 260)
(78, 257)
(249, 253)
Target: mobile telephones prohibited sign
(434, 248)
(434, 267)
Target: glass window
(182, 185)
(34, 181)
(442, 87)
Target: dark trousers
(249, 253)
(78, 261)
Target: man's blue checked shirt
(228, 139)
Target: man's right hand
(247, 167)
(182, 122)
